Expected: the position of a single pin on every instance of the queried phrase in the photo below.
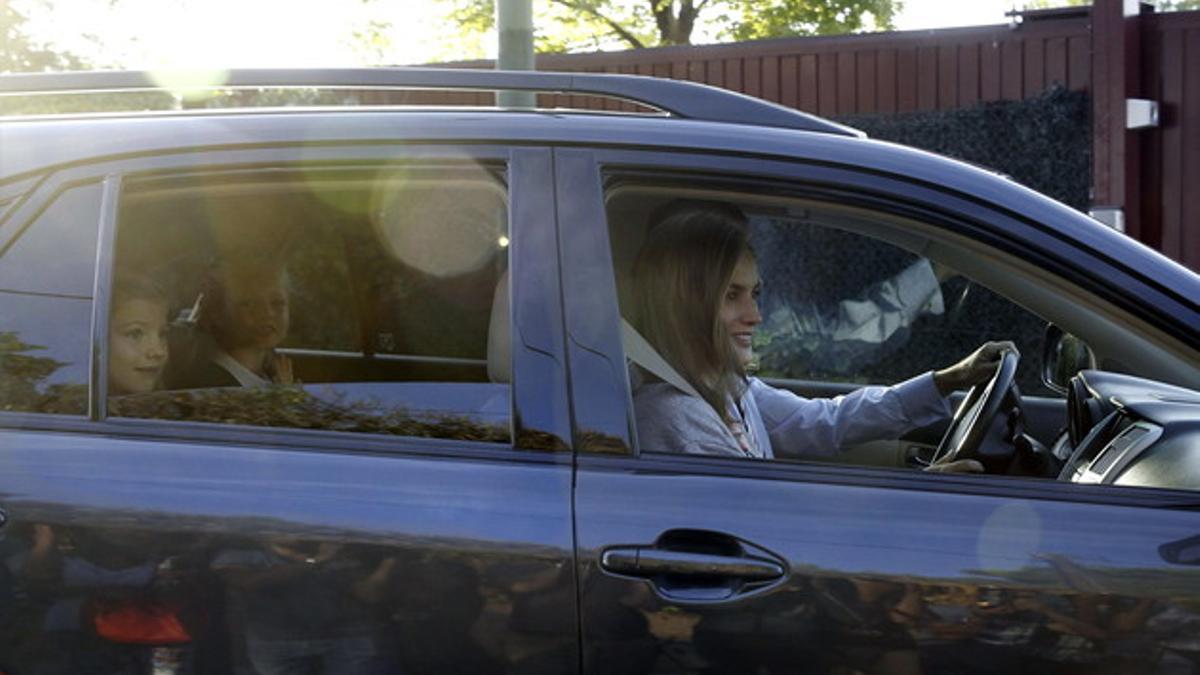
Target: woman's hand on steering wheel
(977, 368)
(964, 439)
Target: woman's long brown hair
(680, 276)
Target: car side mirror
(1063, 355)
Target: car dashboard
(1125, 430)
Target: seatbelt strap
(638, 350)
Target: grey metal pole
(514, 24)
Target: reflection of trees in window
(22, 375)
(295, 408)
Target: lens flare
(442, 224)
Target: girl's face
(137, 346)
(738, 311)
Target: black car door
(399, 503)
(694, 563)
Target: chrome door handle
(698, 567)
(648, 561)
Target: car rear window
(355, 300)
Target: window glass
(338, 299)
(56, 253)
(808, 299)
(44, 339)
(843, 307)
(44, 353)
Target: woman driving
(696, 289)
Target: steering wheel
(964, 438)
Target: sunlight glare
(211, 34)
(190, 84)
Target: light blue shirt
(783, 424)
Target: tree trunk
(674, 29)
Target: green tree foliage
(22, 372)
(1053, 4)
(571, 25)
(296, 408)
(787, 18)
(23, 376)
(20, 54)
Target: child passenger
(137, 335)
(245, 313)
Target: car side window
(808, 299)
(46, 278)
(357, 300)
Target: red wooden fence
(1171, 163)
(873, 73)
(1152, 175)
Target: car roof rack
(678, 98)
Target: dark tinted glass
(44, 353)
(350, 300)
(56, 253)
(840, 306)
(844, 307)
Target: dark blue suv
(349, 390)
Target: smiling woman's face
(137, 346)
(738, 312)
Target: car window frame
(32, 197)
(961, 213)
(13, 194)
(548, 422)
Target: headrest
(499, 347)
(637, 350)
